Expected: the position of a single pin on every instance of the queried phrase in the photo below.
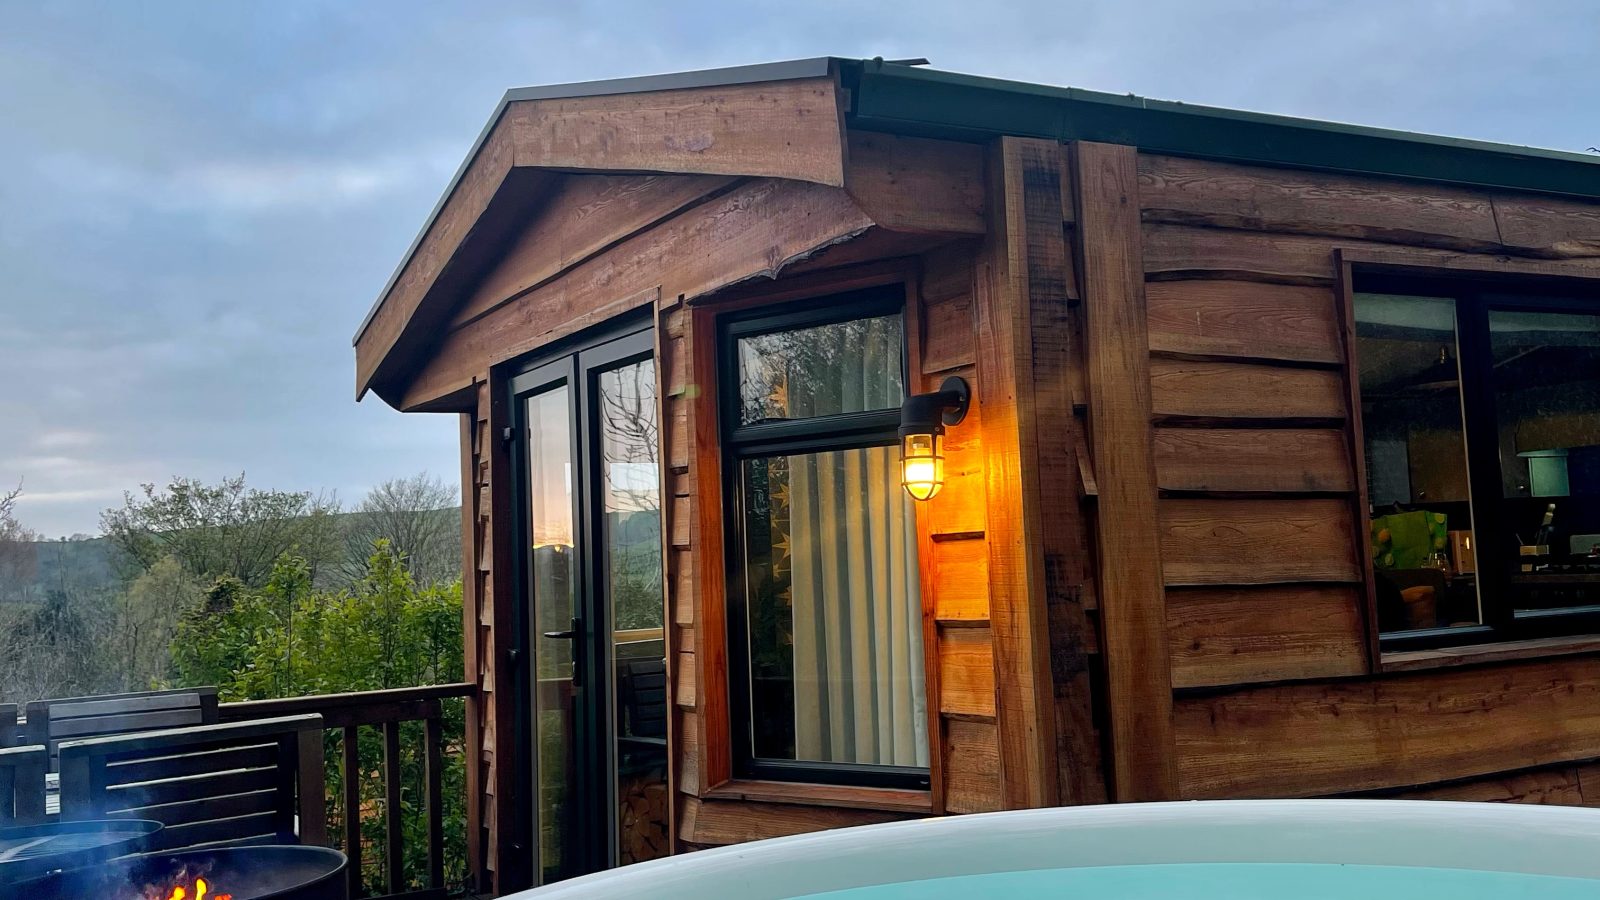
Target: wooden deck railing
(385, 710)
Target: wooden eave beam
(918, 185)
(753, 232)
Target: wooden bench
(10, 728)
(22, 785)
(257, 782)
(52, 721)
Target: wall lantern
(923, 418)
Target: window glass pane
(1416, 454)
(833, 609)
(631, 503)
(1547, 408)
(553, 589)
(843, 367)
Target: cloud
(64, 439)
(244, 186)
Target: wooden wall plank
(971, 766)
(718, 822)
(1304, 740)
(1057, 461)
(1253, 459)
(966, 672)
(948, 324)
(472, 782)
(917, 184)
(960, 580)
(1224, 636)
(1023, 262)
(1274, 541)
(1178, 251)
(1227, 390)
(1230, 195)
(1245, 319)
(498, 596)
(682, 515)
(687, 693)
(782, 129)
(1560, 786)
(961, 508)
(1129, 579)
(1548, 226)
(1355, 438)
(714, 738)
(687, 753)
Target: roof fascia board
(932, 103)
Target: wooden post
(1129, 579)
(473, 738)
(394, 830)
(434, 794)
(1024, 254)
(511, 850)
(312, 788)
(352, 809)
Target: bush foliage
(288, 639)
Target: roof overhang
(788, 120)
(782, 120)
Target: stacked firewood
(643, 817)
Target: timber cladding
(1278, 691)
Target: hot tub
(1239, 850)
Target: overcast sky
(200, 200)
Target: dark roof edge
(930, 102)
(815, 67)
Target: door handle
(575, 635)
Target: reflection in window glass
(631, 503)
(1546, 379)
(842, 367)
(834, 609)
(553, 590)
(1416, 455)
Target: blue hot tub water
(1234, 881)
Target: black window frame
(1476, 295)
(741, 442)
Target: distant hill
(84, 561)
(75, 561)
(80, 562)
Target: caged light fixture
(923, 418)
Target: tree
(144, 622)
(222, 530)
(418, 517)
(51, 649)
(19, 556)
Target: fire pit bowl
(245, 873)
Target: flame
(201, 891)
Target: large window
(1481, 423)
(826, 664)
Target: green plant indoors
(286, 639)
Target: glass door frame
(593, 782)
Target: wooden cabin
(1248, 499)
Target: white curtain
(857, 614)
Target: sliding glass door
(592, 580)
